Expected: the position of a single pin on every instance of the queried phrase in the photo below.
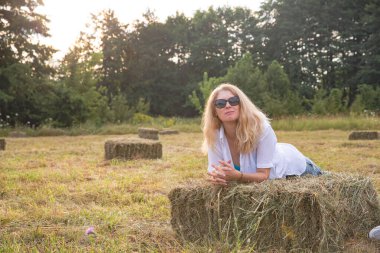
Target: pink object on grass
(90, 231)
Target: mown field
(54, 188)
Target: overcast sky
(68, 17)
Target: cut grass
(53, 188)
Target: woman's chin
(229, 119)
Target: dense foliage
(290, 57)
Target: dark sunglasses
(221, 103)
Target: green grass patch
(314, 123)
(193, 125)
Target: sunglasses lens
(220, 103)
(234, 101)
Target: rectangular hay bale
(168, 131)
(310, 214)
(130, 149)
(364, 135)
(148, 133)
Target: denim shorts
(311, 168)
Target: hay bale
(148, 133)
(2, 144)
(168, 131)
(309, 214)
(129, 149)
(363, 135)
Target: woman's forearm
(260, 176)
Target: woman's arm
(224, 173)
(261, 175)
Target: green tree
(68, 108)
(114, 51)
(320, 43)
(153, 74)
(370, 71)
(248, 77)
(370, 96)
(121, 111)
(277, 80)
(330, 103)
(219, 37)
(319, 102)
(333, 102)
(23, 61)
(24, 94)
(19, 24)
(269, 90)
(209, 44)
(198, 97)
(80, 73)
(279, 98)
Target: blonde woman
(241, 143)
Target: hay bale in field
(309, 214)
(2, 144)
(148, 133)
(168, 131)
(363, 135)
(129, 149)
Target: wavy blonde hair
(250, 122)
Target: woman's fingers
(217, 181)
(223, 172)
(215, 178)
(226, 165)
(218, 171)
(212, 174)
(226, 171)
(220, 180)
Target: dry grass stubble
(53, 188)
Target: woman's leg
(311, 168)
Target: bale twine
(2, 144)
(308, 214)
(168, 131)
(364, 135)
(148, 133)
(129, 149)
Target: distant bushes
(271, 90)
(290, 123)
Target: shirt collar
(221, 133)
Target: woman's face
(229, 113)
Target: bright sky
(68, 17)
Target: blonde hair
(250, 123)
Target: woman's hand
(224, 173)
(215, 178)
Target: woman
(241, 143)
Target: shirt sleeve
(266, 148)
(214, 155)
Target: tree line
(291, 57)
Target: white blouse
(283, 159)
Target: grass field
(53, 188)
